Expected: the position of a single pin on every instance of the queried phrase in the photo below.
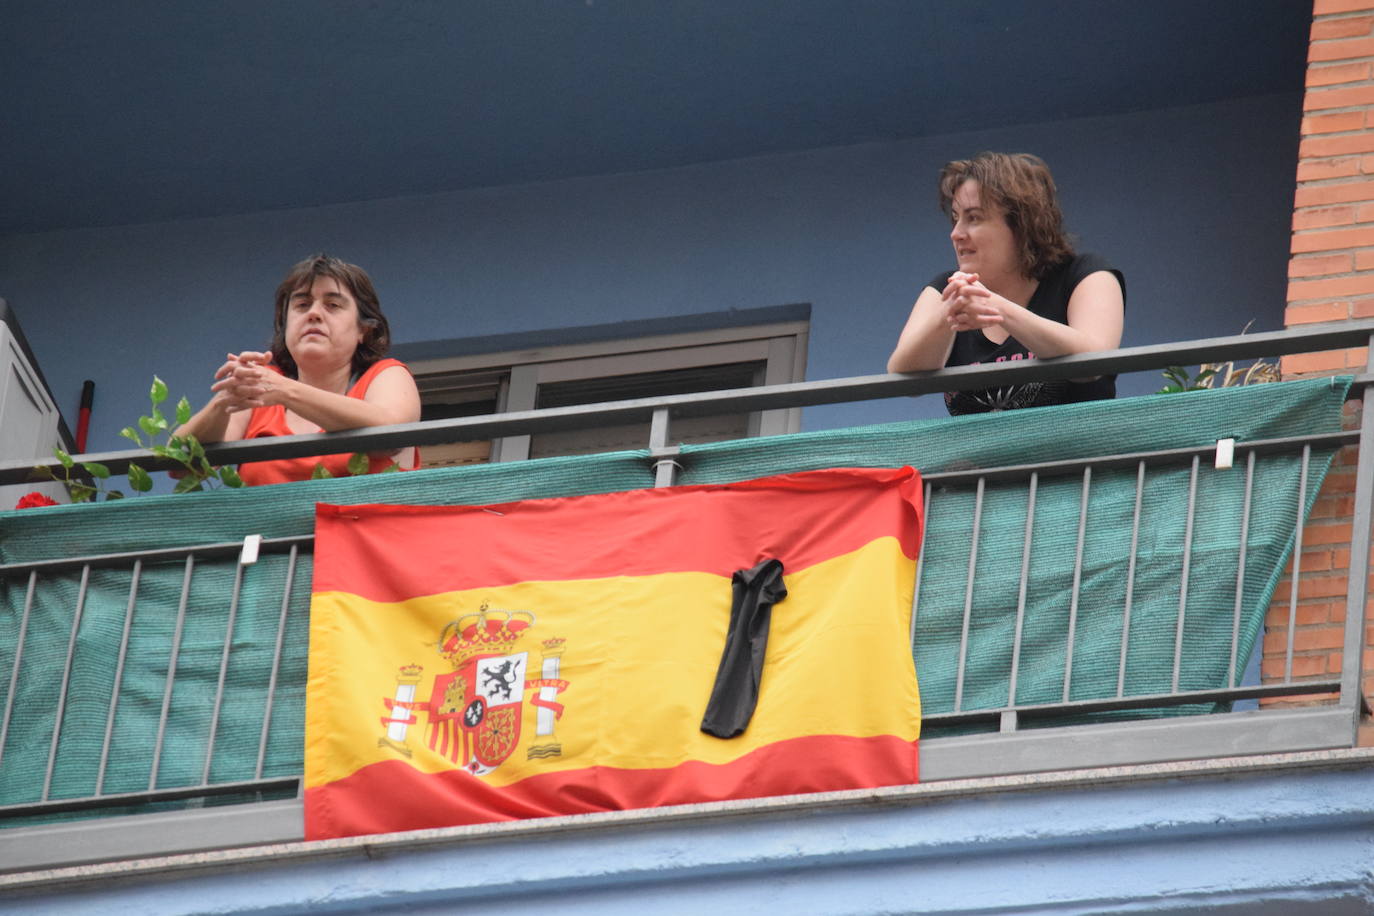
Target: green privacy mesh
(240, 749)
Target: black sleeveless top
(1050, 300)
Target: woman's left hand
(969, 305)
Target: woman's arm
(391, 398)
(927, 338)
(222, 419)
(1096, 312)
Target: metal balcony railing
(1001, 693)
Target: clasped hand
(969, 305)
(243, 382)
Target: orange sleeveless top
(271, 421)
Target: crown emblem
(488, 631)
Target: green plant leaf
(193, 447)
(183, 411)
(230, 477)
(148, 425)
(63, 457)
(357, 464)
(158, 393)
(41, 469)
(390, 469)
(320, 473)
(96, 469)
(80, 492)
(129, 432)
(187, 484)
(113, 494)
(139, 478)
(159, 420)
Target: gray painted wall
(1192, 203)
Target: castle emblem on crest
(474, 710)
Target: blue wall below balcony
(1194, 204)
(1268, 836)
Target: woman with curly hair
(1019, 291)
(325, 370)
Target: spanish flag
(471, 664)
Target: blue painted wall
(1192, 203)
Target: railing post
(1352, 691)
(664, 455)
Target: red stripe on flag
(802, 518)
(393, 796)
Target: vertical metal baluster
(119, 676)
(18, 657)
(665, 469)
(1077, 580)
(1021, 592)
(1357, 587)
(1130, 582)
(276, 661)
(968, 595)
(66, 679)
(171, 671)
(1187, 563)
(223, 671)
(920, 563)
(1297, 564)
(1240, 565)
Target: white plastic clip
(249, 555)
(1226, 453)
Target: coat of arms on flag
(596, 653)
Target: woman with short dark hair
(1019, 291)
(324, 371)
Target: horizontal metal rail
(204, 551)
(1144, 701)
(771, 397)
(123, 799)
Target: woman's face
(983, 242)
(322, 323)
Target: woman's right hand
(242, 382)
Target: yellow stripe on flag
(638, 656)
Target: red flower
(29, 500)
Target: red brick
(1337, 533)
(1316, 195)
(1362, 308)
(1332, 74)
(1342, 28)
(1356, 357)
(1312, 362)
(1340, 49)
(1364, 213)
(1327, 637)
(1321, 217)
(1331, 7)
(1312, 614)
(1339, 97)
(1340, 558)
(1335, 287)
(1318, 560)
(1324, 264)
(1334, 122)
(1332, 239)
(1339, 480)
(1339, 145)
(1315, 312)
(1334, 506)
(1318, 169)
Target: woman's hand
(243, 383)
(969, 305)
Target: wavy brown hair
(376, 332)
(1022, 186)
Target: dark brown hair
(376, 332)
(1022, 186)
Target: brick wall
(1330, 278)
